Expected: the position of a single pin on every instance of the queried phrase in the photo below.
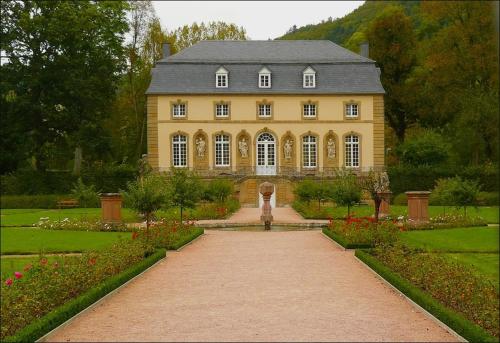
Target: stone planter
(111, 206)
(418, 206)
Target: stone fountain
(266, 189)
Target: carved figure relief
(243, 146)
(201, 146)
(330, 146)
(287, 149)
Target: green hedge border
(58, 316)
(465, 328)
(341, 240)
(197, 231)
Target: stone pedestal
(418, 206)
(111, 206)
(385, 208)
(266, 189)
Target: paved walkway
(251, 215)
(256, 286)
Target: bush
(41, 287)
(427, 148)
(48, 201)
(109, 178)
(30, 182)
(169, 234)
(488, 199)
(346, 191)
(219, 190)
(464, 327)
(86, 195)
(400, 199)
(308, 190)
(453, 284)
(457, 192)
(365, 231)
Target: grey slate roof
(338, 71)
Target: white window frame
(222, 150)
(352, 110)
(265, 110)
(352, 151)
(179, 110)
(222, 110)
(221, 78)
(309, 110)
(179, 151)
(309, 78)
(264, 78)
(309, 151)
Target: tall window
(222, 151)
(178, 110)
(351, 110)
(309, 78)
(179, 151)
(265, 81)
(222, 110)
(309, 149)
(265, 110)
(352, 151)
(309, 110)
(221, 78)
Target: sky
(261, 19)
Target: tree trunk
(147, 226)
(181, 217)
(348, 211)
(77, 165)
(377, 208)
(319, 204)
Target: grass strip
(58, 316)
(195, 232)
(465, 328)
(341, 240)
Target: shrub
(453, 284)
(346, 191)
(303, 190)
(219, 190)
(365, 231)
(458, 192)
(30, 182)
(427, 148)
(400, 199)
(183, 190)
(308, 190)
(488, 199)
(169, 234)
(109, 177)
(31, 201)
(41, 287)
(86, 195)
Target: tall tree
(63, 61)
(186, 35)
(392, 45)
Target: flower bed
(80, 225)
(168, 234)
(362, 232)
(454, 285)
(41, 288)
(445, 221)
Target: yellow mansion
(265, 109)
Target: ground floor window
(179, 151)
(352, 151)
(309, 150)
(222, 151)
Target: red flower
(92, 261)
(43, 261)
(134, 235)
(18, 275)
(56, 264)
(8, 282)
(27, 267)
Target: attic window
(221, 78)
(264, 78)
(309, 78)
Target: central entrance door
(266, 154)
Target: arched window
(222, 151)
(264, 78)
(352, 151)
(309, 78)
(179, 151)
(221, 78)
(309, 151)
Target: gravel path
(256, 286)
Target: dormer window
(309, 78)
(264, 78)
(221, 78)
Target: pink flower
(8, 282)
(43, 261)
(18, 275)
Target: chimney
(166, 49)
(364, 49)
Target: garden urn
(266, 189)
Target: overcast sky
(261, 19)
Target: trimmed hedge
(340, 240)
(464, 327)
(48, 201)
(53, 319)
(197, 231)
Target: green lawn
(488, 213)
(28, 217)
(31, 240)
(486, 264)
(478, 239)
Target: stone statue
(287, 149)
(200, 146)
(331, 148)
(382, 182)
(243, 147)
